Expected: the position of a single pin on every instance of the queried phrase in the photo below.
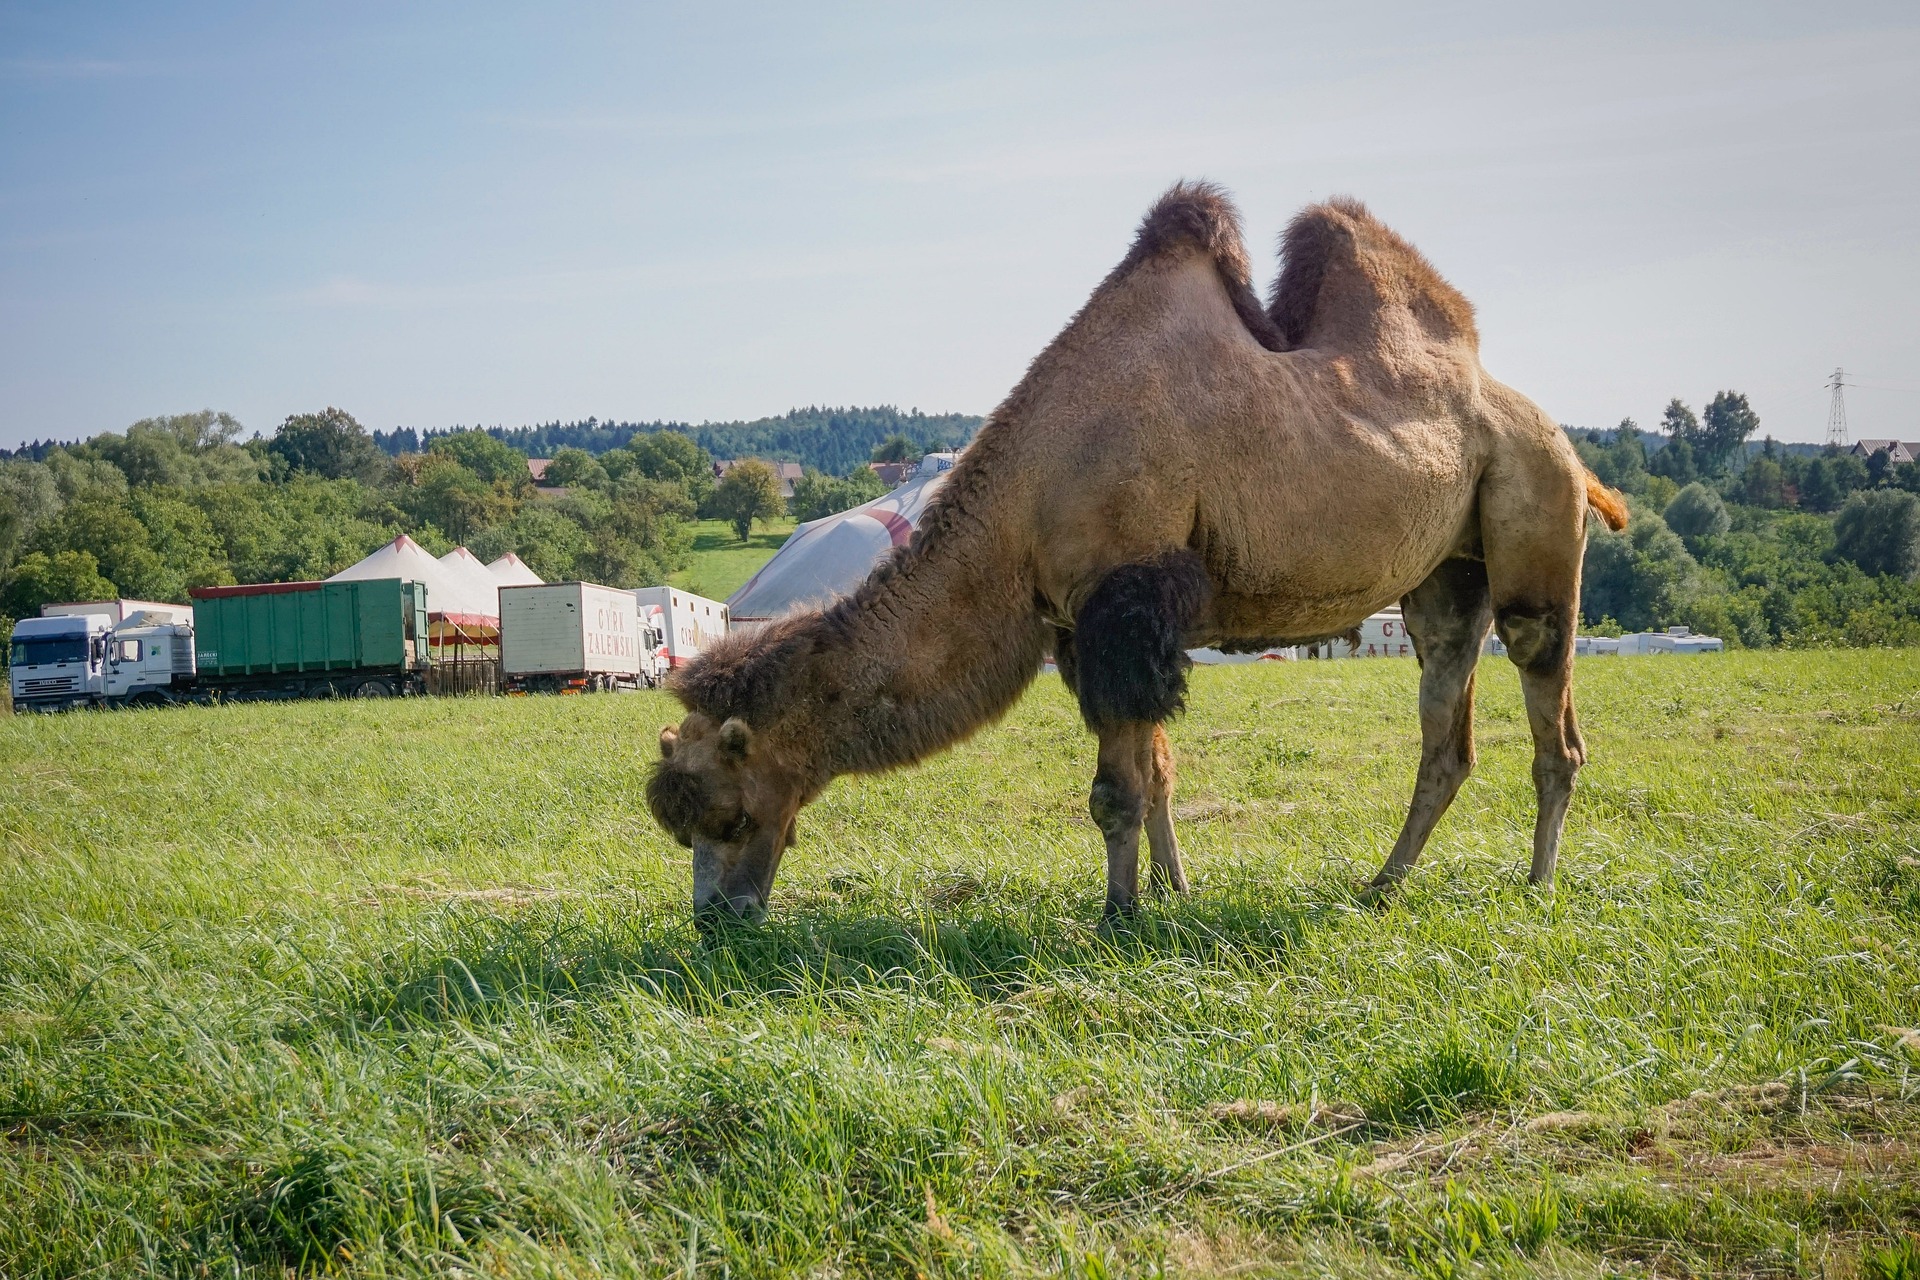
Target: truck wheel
(373, 689)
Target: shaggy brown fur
(1179, 467)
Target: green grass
(410, 989)
(721, 563)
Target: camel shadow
(557, 963)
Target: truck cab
(57, 663)
(148, 663)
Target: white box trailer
(157, 612)
(570, 637)
(687, 623)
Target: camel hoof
(1377, 894)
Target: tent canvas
(476, 584)
(454, 610)
(828, 557)
(511, 571)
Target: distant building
(785, 472)
(934, 463)
(1897, 450)
(537, 468)
(893, 474)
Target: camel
(1180, 467)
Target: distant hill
(833, 439)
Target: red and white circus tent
(458, 611)
(829, 557)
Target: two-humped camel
(1180, 467)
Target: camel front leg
(1118, 804)
(1168, 873)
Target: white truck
(110, 658)
(685, 624)
(571, 637)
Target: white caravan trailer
(687, 623)
(569, 637)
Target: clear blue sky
(474, 213)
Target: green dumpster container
(310, 637)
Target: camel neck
(931, 648)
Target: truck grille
(49, 684)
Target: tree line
(183, 501)
(834, 441)
(1760, 544)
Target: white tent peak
(478, 588)
(511, 571)
(449, 592)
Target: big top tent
(829, 557)
(455, 610)
(511, 571)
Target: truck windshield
(34, 651)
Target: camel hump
(1199, 215)
(1345, 276)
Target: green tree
(41, 579)
(816, 495)
(749, 491)
(670, 455)
(1764, 484)
(546, 535)
(572, 468)
(492, 460)
(1643, 577)
(1678, 421)
(444, 492)
(184, 539)
(1696, 512)
(1879, 530)
(1725, 428)
(634, 541)
(1819, 487)
(1675, 462)
(28, 499)
(77, 474)
(106, 528)
(184, 450)
(1879, 468)
(895, 448)
(329, 443)
(303, 529)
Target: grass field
(411, 989)
(721, 563)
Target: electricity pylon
(1837, 410)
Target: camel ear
(736, 738)
(669, 739)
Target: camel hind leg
(1168, 872)
(1533, 526)
(1448, 616)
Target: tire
(373, 689)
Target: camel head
(722, 792)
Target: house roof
(537, 468)
(1897, 450)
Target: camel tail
(1605, 503)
